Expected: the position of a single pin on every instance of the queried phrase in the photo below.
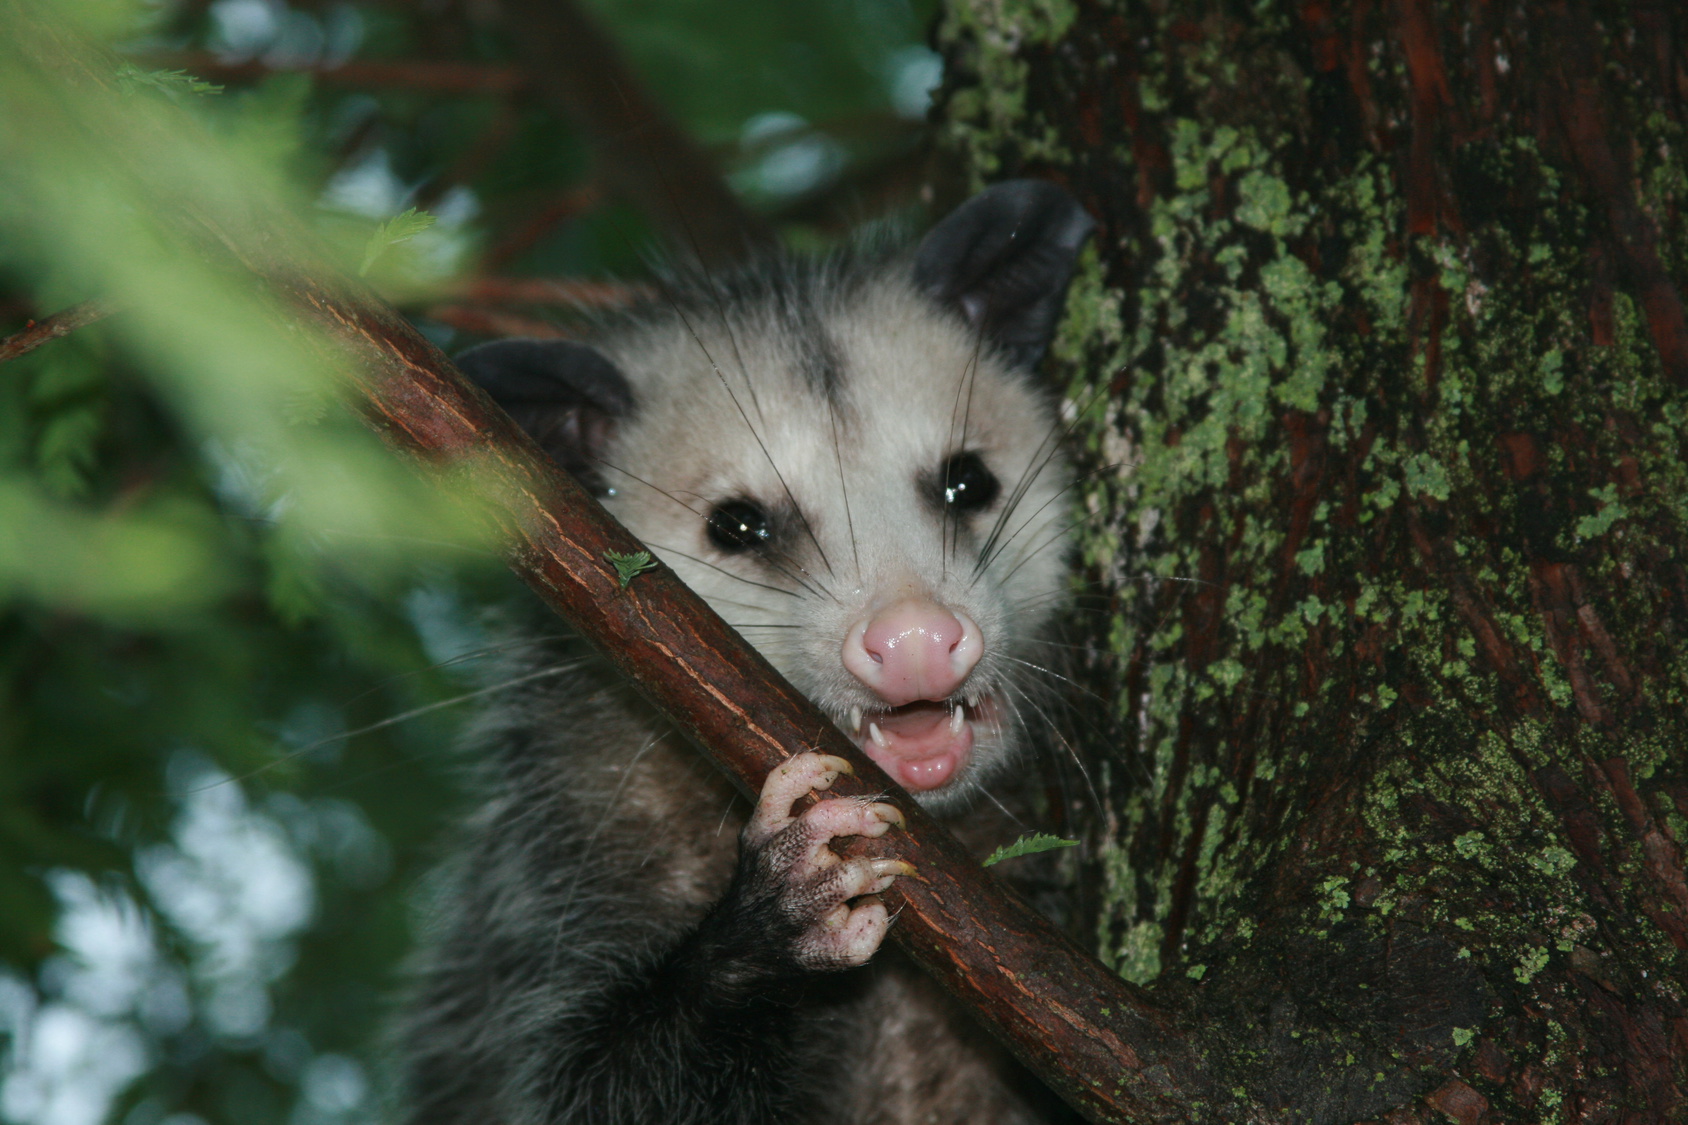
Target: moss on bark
(1382, 375)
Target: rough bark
(1387, 318)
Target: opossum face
(856, 469)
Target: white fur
(722, 402)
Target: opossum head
(851, 460)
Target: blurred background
(236, 641)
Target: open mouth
(922, 745)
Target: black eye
(738, 525)
(966, 485)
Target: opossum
(851, 459)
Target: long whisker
(394, 720)
(773, 558)
(1065, 745)
(1052, 674)
(843, 486)
(749, 425)
(991, 797)
(985, 560)
(438, 665)
(949, 530)
(1059, 536)
(732, 339)
(722, 570)
(1048, 449)
(713, 289)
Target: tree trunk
(1388, 525)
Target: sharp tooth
(855, 720)
(958, 718)
(878, 736)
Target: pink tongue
(922, 752)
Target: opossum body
(850, 460)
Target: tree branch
(577, 69)
(479, 321)
(525, 236)
(61, 323)
(1089, 1034)
(567, 292)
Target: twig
(490, 143)
(470, 314)
(577, 69)
(61, 323)
(565, 207)
(490, 322)
(410, 74)
(568, 292)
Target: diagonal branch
(61, 323)
(1096, 1039)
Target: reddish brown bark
(1399, 665)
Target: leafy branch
(1029, 844)
(131, 78)
(403, 227)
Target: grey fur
(605, 952)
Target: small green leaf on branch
(1029, 844)
(131, 78)
(630, 565)
(403, 227)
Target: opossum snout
(913, 650)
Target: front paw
(795, 872)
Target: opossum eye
(738, 525)
(966, 484)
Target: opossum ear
(567, 396)
(1003, 260)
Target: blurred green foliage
(237, 637)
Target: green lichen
(1531, 962)
(987, 38)
(1334, 899)
(1267, 307)
(1600, 521)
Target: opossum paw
(793, 779)
(849, 935)
(813, 886)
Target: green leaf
(131, 78)
(404, 226)
(1029, 844)
(629, 566)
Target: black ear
(1003, 260)
(567, 396)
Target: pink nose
(913, 650)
